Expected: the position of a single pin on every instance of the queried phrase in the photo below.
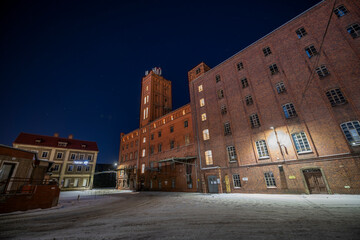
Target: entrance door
(5, 174)
(227, 181)
(315, 181)
(213, 184)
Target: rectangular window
(206, 134)
(240, 66)
(203, 117)
(152, 136)
(45, 154)
(231, 153)
(220, 93)
(352, 132)
(354, 30)
(273, 69)
(301, 32)
(198, 70)
(266, 51)
(340, 11)
(280, 87)
(208, 158)
(335, 97)
(301, 143)
(84, 182)
(254, 120)
(289, 110)
(151, 150)
(227, 129)
(236, 180)
(87, 168)
(56, 168)
(322, 71)
(223, 109)
(202, 102)
(171, 129)
(159, 134)
(187, 139)
(173, 183)
(262, 149)
(136, 155)
(70, 168)
(73, 156)
(172, 144)
(78, 168)
(143, 168)
(131, 155)
(144, 139)
(217, 78)
(270, 179)
(89, 157)
(186, 123)
(81, 156)
(244, 83)
(159, 147)
(200, 88)
(59, 155)
(143, 152)
(248, 100)
(76, 182)
(311, 51)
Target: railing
(21, 185)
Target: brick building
(74, 160)
(280, 116)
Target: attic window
(62, 144)
(83, 145)
(39, 140)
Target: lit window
(147, 88)
(301, 32)
(70, 168)
(62, 144)
(144, 100)
(217, 78)
(311, 51)
(206, 134)
(248, 100)
(59, 155)
(301, 143)
(262, 149)
(183, 112)
(340, 11)
(144, 140)
(244, 83)
(236, 181)
(280, 87)
(269, 179)
(231, 153)
(240, 66)
(147, 98)
(322, 71)
(220, 94)
(273, 69)
(335, 97)
(143, 153)
(202, 102)
(203, 117)
(200, 88)
(354, 30)
(143, 168)
(266, 51)
(223, 109)
(44, 154)
(254, 120)
(289, 110)
(227, 129)
(208, 158)
(352, 132)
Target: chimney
(70, 136)
(56, 135)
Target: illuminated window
(206, 134)
(208, 158)
(144, 100)
(340, 11)
(301, 143)
(231, 153)
(269, 179)
(147, 88)
(144, 139)
(335, 97)
(200, 88)
(236, 181)
(244, 83)
(248, 100)
(147, 98)
(301, 32)
(143, 168)
(354, 30)
(254, 120)
(227, 129)
(322, 71)
(183, 112)
(143, 153)
(262, 149)
(240, 66)
(266, 51)
(311, 51)
(203, 117)
(280, 87)
(273, 69)
(289, 110)
(352, 132)
(131, 155)
(202, 102)
(217, 78)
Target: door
(315, 181)
(213, 184)
(67, 182)
(227, 182)
(5, 175)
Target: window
(127, 146)
(269, 179)
(231, 153)
(59, 155)
(62, 144)
(143, 168)
(203, 117)
(240, 66)
(227, 129)
(254, 120)
(202, 102)
(322, 71)
(248, 100)
(152, 136)
(262, 149)
(352, 132)
(78, 168)
(73, 156)
(200, 88)
(223, 109)
(173, 183)
(126, 157)
(144, 139)
(89, 157)
(136, 155)
(311, 51)
(208, 158)
(82, 156)
(289, 110)
(70, 168)
(131, 155)
(143, 152)
(45, 154)
(267, 51)
(273, 69)
(56, 168)
(84, 182)
(335, 97)
(354, 30)
(87, 168)
(171, 129)
(220, 94)
(187, 139)
(236, 180)
(301, 143)
(206, 134)
(244, 83)
(136, 142)
(340, 11)
(172, 144)
(301, 32)
(159, 147)
(197, 70)
(159, 133)
(186, 123)
(151, 150)
(217, 78)
(280, 87)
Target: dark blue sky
(75, 67)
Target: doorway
(213, 184)
(315, 181)
(6, 172)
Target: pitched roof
(49, 141)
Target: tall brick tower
(156, 98)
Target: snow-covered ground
(112, 214)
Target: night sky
(75, 67)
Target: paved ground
(157, 215)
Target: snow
(113, 214)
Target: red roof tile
(49, 141)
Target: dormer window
(39, 140)
(83, 145)
(62, 144)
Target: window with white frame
(289, 110)
(203, 117)
(231, 153)
(89, 157)
(354, 30)
(311, 51)
(262, 149)
(227, 129)
(59, 155)
(335, 97)
(206, 134)
(45, 154)
(301, 142)
(143, 153)
(202, 102)
(301, 32)
(322, 71)
(254, 120)
(200, 88)
(223, 109)
(143, 168)
(270, 179)
(352, 132)
(249, 100)
(208, 157)
(340, 11)
(236, 180)
(81, 156)
(280, 87)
